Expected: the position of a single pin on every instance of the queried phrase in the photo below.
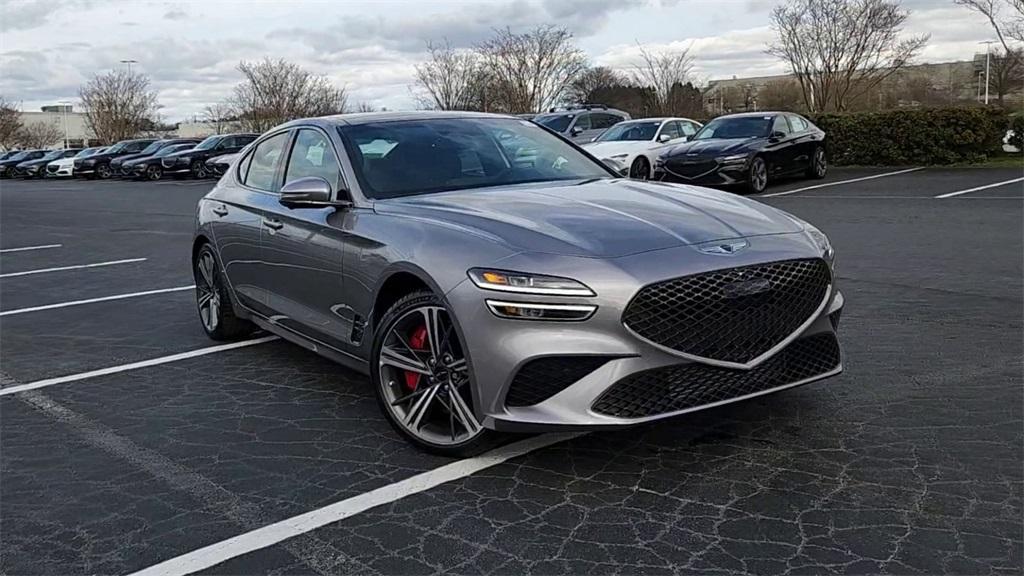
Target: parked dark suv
(194, 161)
(117, 165)
(581, 124)
(98, 165)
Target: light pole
(988, 57)
(64, 104)
(129, 63)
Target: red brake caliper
(418, 342)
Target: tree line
(842, 54)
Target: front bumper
(618, 356)
(714, 174)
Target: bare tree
(365, 107)
(592, 81)
(1005, 16)
(664, 71)
(449, 79)
(781, 94)
(1006, 72)
(841, 49)
(10, 123)
(118, 104)
(39, 134)
(531, 71)
(276, 91)
(220, 115)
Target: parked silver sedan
(491, 276)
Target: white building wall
(77, 128)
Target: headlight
(732, 159)
(619, 156)
(33, 168)
(822, 241)
(535, 311)
(522, 283)
(184, 160)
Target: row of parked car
(142, 159)
(744, 150)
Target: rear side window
(688, 128)
(601, 120)
(261, 164)
(312, 155)
(798, 123)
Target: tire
(154, 173)
(420, 405)
(757, 176)
(213, 300)
(199, 169)
(640, 169)
(103, 172)
(819, 164)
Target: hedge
(1017, 125)
(918, 137)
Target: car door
(302, 249)
(804, 142)
(779, 150)
(239, 212)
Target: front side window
(671, 130)
(780, 125)
(312, 155)
(262, 163)
(582, 123)
(409, 157)
(687, 128)
(556, 122)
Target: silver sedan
(491, 276)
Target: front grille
(732, 315)
(51, 168)
(542, 378)
(674, 388)
(687, 169)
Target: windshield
(54, 155)
(19, 156)
(209, 143)
(630, 131)
(556, 122)
(736, 127)
(394, 159)
(87, 152)
(118, 147)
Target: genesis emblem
(723, 247)
(746, 288)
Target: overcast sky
(190, 49)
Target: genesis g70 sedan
(490, 276)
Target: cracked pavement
(911, 462)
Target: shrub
(918, 137)
(1017, 125)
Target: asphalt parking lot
(128, 442)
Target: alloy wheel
(207, 291)
(154, 173)
(103, 171)
(424, 378)
(199, 169)
(759, 174)
(639, 170)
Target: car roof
(755, 114)
(371, 117)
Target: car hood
(70, 161)
(36, 162)
(717, 147)
(121, 159)
(136, 160)
(595, 218)
(609, 149)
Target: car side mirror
(664, 138)
(312, 192)
(777, 135)
(576, 131)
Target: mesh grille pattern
(732, 315)
(673, 388)
(687, 169)
(542, 378)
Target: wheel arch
(399, 281)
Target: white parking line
(133, 366)
(278, 532)
(92, 300)
(27, 248)
(838, 182)
(986, 187)
(76, 267)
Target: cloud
(175, 14)
(29, 14)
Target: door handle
(220, 211)
(273, 224)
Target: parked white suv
(632, 147)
